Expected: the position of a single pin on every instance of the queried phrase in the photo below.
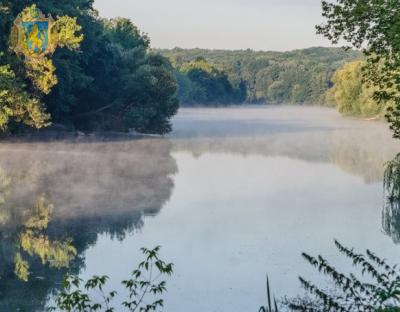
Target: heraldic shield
(32, 34)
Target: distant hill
(299, 76)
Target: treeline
(199, 82)
(102, 76)
(324, 76)
(300, 76)
(352, 95)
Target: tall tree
(374, 27)
(351, 96)
(112, 82)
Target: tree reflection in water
(34, 242)
(391, 209)
(57, 197)
(391, 220)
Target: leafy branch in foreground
(144, 282)
(372, 26)
(382, 293)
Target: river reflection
(391, 220)
(57, 197)
(231, 194)
(312, 134)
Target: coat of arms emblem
(32, 34)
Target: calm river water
(231, 195)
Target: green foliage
(301, 76)
(126, 34)
(144, 282)
(371, 25)
(41, 71)
(16, 104)
(21, 268)
(72, 298)
(351, 95)
(201, 83)
(102, 77)
(21, 103)
(66, 29)
(380, 293)
(116, 83)
(42, 74)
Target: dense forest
(199, 82)
(102, 76)
(300, 76)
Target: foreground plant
(269, 307)
(380, 293)
(143, 283)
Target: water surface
(231, 194)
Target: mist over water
(304, 133)
(90, 187)
(232, 194)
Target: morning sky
(223, 24)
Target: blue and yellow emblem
(32, 34)
(36, 36)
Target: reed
(271, 307)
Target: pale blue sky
(223, 24)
